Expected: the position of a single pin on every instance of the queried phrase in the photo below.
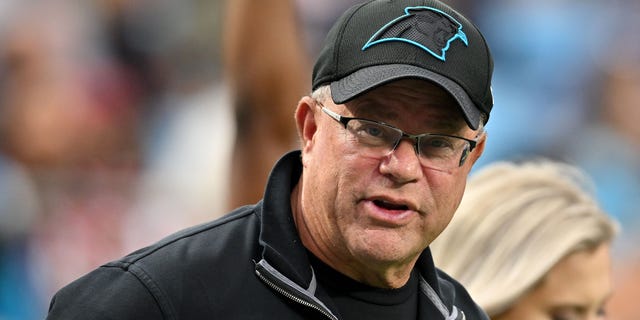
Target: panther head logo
(428, 28)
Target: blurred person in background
(258, 48)
(530, 241)
(187, 129)
(84, 87)
(545, 70)
(619, 176)
(68, 127)
(608, 148)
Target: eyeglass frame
(415, 138)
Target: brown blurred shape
(266, 65)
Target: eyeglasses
(377, 139)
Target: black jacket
(249, 264)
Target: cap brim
(369, 78)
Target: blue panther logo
(428, 28)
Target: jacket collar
(280, 241)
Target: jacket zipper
(290, 295)
(272, 273)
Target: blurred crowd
(124, 120)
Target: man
(401, 92)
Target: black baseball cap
(384, 40)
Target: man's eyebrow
(575, 308)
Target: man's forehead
(429, 114)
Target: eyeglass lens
(438, 151)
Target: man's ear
(479, 149)
(306, 122)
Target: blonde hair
(515, 222)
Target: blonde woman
(530, 242)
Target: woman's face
(575, 288)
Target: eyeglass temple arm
(335, 116)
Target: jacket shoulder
(106, 293)
(144, 284)
(241, 219)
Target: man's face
(361, 211)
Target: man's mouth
(390, 206)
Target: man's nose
(403, 163)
